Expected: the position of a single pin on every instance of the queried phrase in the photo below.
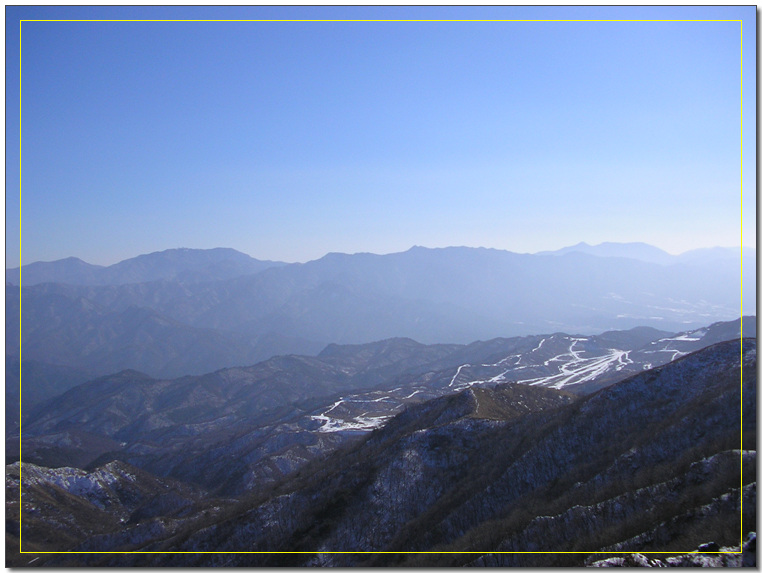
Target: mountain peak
(188, 265)
(636, 250)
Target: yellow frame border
(380, 552)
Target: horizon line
(416, 246)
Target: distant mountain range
(421, 404)
(198, 265)
(80, 333)
(185, 265)
(188, 311)
(650, 254)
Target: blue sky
(288, 140)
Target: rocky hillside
(656, 463)
(267, 420)
(66, 507)
(666, 440)
(707, 555)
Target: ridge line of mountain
(69, 265)
(452, 295)
(318, 401)
(650, 463)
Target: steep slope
(273, 417)
(672, 426)
(470, 407)
(347, 390)
(66, 507)
(649, 464)
(261, 416)
(630, 464)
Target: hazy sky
(288, 140)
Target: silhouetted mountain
(638, 251)
(185, 265)
(650, 254)
(724, 260)
(81, 334)
(70, 270)
(452, 295)
(713, 254)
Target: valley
(380, 286)
(432, 478)
(434, 446)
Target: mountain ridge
(648, 253)
(282, 412)
(189, 265)
(453, 295)
(646, 465)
